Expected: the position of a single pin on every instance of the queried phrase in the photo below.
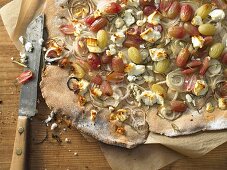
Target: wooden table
(50, 154)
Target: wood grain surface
(50, 154)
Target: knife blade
(28, 94)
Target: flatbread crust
(60, 99)
(190, 122)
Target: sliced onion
(175, 80)
(51, 59)
(215, 67)
(167, 113)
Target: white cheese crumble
(112, 50)
(83, 86)
(21, 39)
(41, 41)
(79, 28)
(28, 47)
(151, 35)
(222, 103)
(149, 79)
(217, 15)
(118, 38)
(128, 17)
(200, 88)
(96, 92)
(160, 99)
(148, 97)
(188, 98)
(141, 22)
(93, 114)
(119, 22)
(134, 70)
(158, 54)
(209, 107)
(154, 18)
(53, 126)
(131, 78)
(197, 41)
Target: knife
(28, 94)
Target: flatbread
(136, 128)
(60, 99)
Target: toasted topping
(154, 18)
(209, 107)
(151, 35)
(222, 103)
(93, 114)
(149, 98)
(134, 70)
(120, 130)
(158, 54)
(217, 15)
(197, 41)
(200, 88)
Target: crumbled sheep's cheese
(21, 39)
(209, 107)
(53, 126)
(128, 17)
(93, 114)
(149, 79)
(200, 88)
(28, 47)
(83, 86)
(67, 140)
(150, 35)
(131, 78)
(158, 54)
(41, 41)
(217, 15)
(112, 50)
(119, 22)
(188, 98)
(148, 97)
(141, 22)
(197, 41)
(134, 70)
(222, 103)
(154, 18)
(96, 92)
(79, 28)
(160, 99)
(118, 38)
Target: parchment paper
(17, 14)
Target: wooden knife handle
(19, 151)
